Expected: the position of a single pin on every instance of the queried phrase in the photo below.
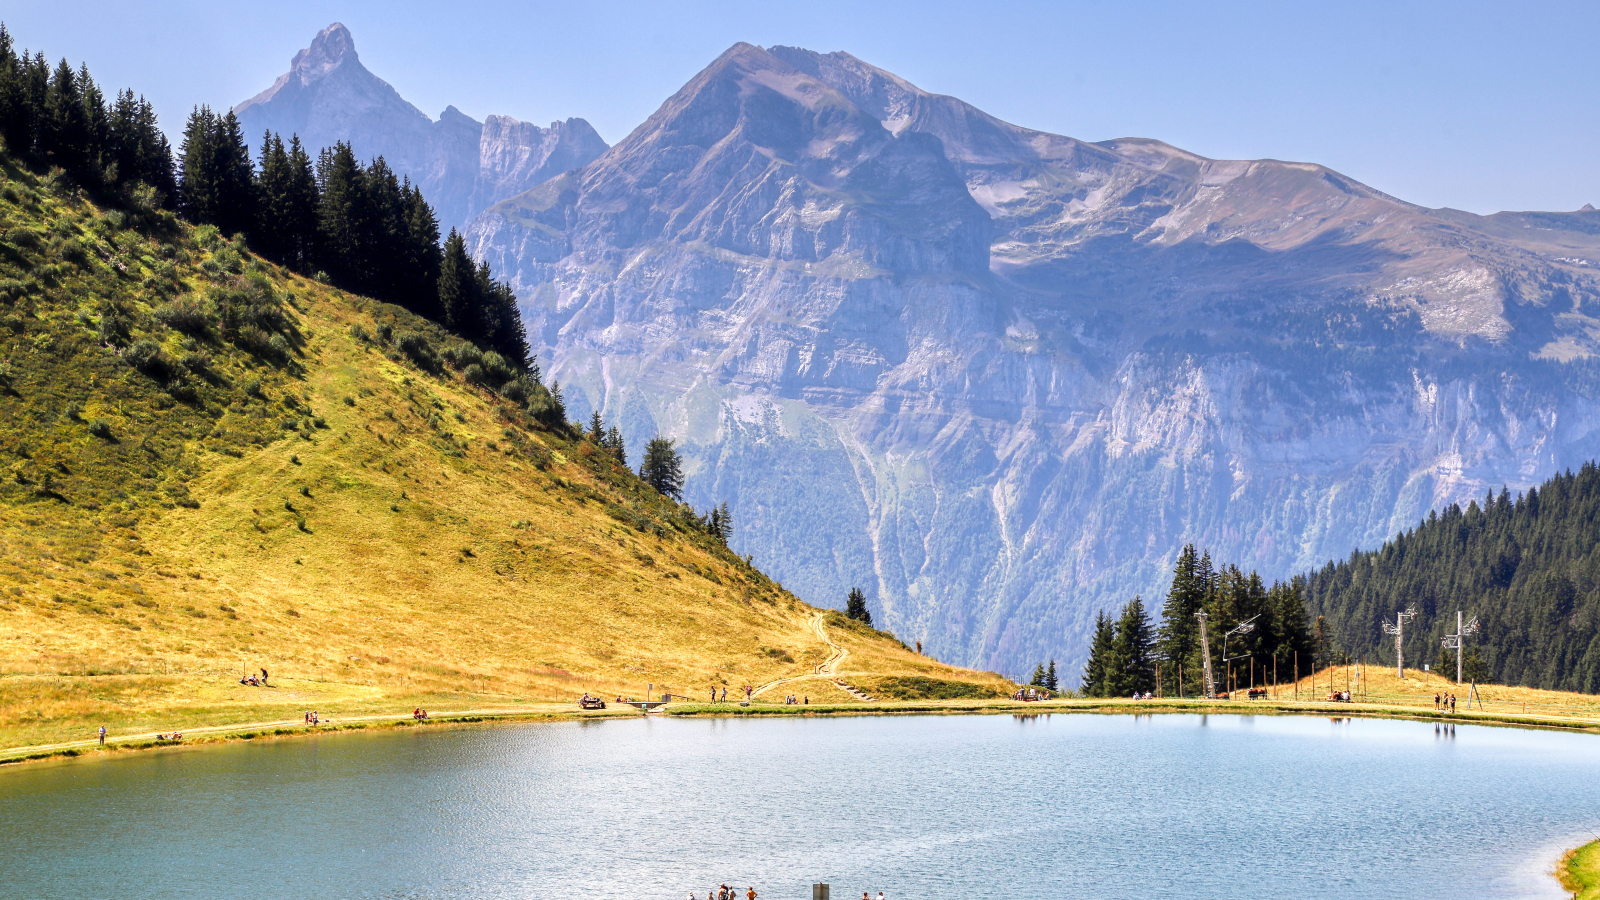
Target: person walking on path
(102, 735)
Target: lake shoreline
(1579, 871)
(568, 712)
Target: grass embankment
(1579, 871)
(214, 466)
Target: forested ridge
(1528, 567)
(357, 226)
(351, 225)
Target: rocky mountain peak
(328, 96)
(331, 47)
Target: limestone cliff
(997, 377)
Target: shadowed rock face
(462, 165)
(997, 377)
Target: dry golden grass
(426, 546)
(1380, 685)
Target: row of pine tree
(1129, 655)
(358, 226)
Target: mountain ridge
(461, 164)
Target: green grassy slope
(214, 466)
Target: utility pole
(1205, 653)
(1398, 629)
(1458, 641)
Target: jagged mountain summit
(997, 377)
(462, 165)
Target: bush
(417, 349)
(496, 368)
(361, 334)
(474, 374)
(517, 390)
(146, 356)
(100, 429)
(385, 333)
(185, 314)
(462, 354)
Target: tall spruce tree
(1132, 647)
(1098, 669)
(662, 468)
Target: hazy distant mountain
(462, 165)
(997, 377)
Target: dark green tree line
(60, 117)
(1528, 567)
(1128, 656)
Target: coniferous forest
(1527, 567)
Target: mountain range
(997, 377)
(461, 164)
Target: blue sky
(1473, 105)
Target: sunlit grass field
(375, 536)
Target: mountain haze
(998, 376)
(461, 164)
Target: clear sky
(1479, 106)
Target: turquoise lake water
(1067, 806)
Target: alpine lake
(1069, 806)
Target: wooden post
(1297, 674)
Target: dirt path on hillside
(826, 669)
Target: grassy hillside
(213, 466)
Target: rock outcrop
(997, 377)
(462, 165)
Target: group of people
(1032, 693)
(792, 700)
(313, 717)
(1144, 696)
(1444, 702)
(419, 714)
(253, 681)
(726, 893)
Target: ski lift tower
(1398, 629)
(1205, 654)
(1458, 641)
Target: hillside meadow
(214, 466)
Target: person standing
(102, 735)
(751, 895)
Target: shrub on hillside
(416, 348)
(186, 314)
(146, 356)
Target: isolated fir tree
(596, 434)
(1051, 682)
(855, 606)
(1038, 676)
(662, 468)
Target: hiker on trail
(263, 677)
(724, 695)
(713, 700)
(102, 734)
